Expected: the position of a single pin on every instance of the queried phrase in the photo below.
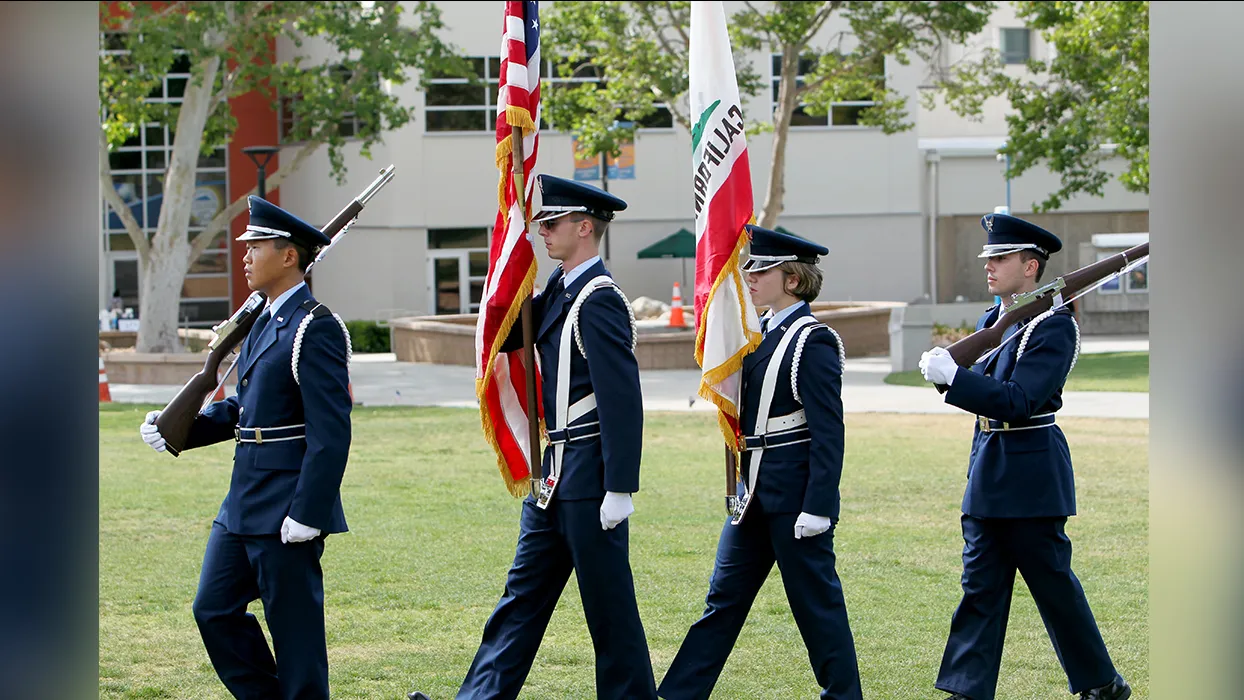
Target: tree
(637, 51)
(1074, 112)
(226, 47)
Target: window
(841, 114)
(1138, 279)
(463, 104)
(457, 269)
(458, 238)
(138, 169)
(1015, 45)
(350, 126)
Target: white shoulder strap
(562, 402)
(766, 396)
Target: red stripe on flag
(730, 208)
(501, 385)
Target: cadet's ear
(792, 282)
(1031, 267)
(586, 228)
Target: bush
(368, 336)
(944, 335)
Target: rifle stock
(177, 418)
(968, 351)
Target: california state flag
(727, 327)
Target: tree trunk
(781, 126)
(168, 260)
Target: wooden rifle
(968, 351)
(175, 421)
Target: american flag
(500, 377)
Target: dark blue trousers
(288, 579)
(552, 543)
(1039, 549)
(745, 555)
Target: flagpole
(529, 331)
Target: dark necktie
(257, 329)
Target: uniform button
(244, 382)
(241, 410)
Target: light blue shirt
(569, 278)
(776, 320)
(274, 305)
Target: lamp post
(1005, 158)
(260, 156)
(255, 153)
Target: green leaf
(377, 45)
(1092, 95)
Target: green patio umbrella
(676, 245)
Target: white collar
(569, 277)
(274, 305)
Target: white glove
(938, 366)
(294, 531)
(150, 433)
(616, 508)
(811, 525)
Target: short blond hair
(810, 279)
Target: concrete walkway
(380, 380)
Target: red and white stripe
(501, 377)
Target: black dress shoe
(958, 696)
(1118, 690)
(417, 696)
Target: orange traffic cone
(105, 396)
(676, 317)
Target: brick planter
(157, 368)
(450, 339)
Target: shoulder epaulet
(1032, 325)
(803, 336)
(316, 310)
(595, 284)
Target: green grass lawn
(1109, 371)
(433, 532)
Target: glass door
(456, 280)
(445, 282)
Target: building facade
(900, 213)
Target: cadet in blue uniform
(791, 467)
(291, 421)
(1020, 488)
(576, 519)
